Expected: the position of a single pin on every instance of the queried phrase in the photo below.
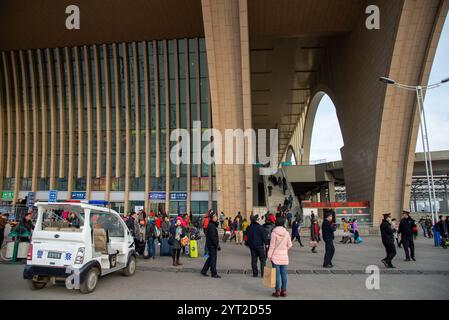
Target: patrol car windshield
(63, 219)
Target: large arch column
(226, 33)
(379, 123)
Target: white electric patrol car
(78, 242)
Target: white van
(78, 242)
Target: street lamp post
(420, 90)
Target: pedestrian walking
(150, 237)
(355, 229)
(238, 231)
(429, 227)
(346, 234)
(422, 223)
(296, 232)
(176, 233)
(314, 235)
(406, 230)
(213, 246)
(245, 225)
(257, 241)
(387, 234)
(205, 226)
(289, 218)
(269, 226)
(442, 228)
(328, 228)
(222, 218)
(278, 254)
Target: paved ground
(428, 278)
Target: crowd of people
(266, 236)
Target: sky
(326, 135)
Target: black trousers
(256, 253)
(330, 251)
(175, 253)
(297, 238)
(409, 247)
(391, 251)
(211, 261)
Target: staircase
(277, 195)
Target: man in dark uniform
(406, 231)
(213, 246)
(386, 230)
(328, 229)
(257, 241)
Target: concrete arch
(312, 109)
(291, 152)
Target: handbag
(185, 241)
(269, 277)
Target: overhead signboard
(157, 195)
(78, 195)
(53, 196)
(178, 196)
(31, 196)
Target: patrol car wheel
(34, 285)
(131, 267)
(90, 282)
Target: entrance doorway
(157, 207)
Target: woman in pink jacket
(278, 254)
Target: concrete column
(415, 203)
(331, 187)
(19, 128)
(226, 33)
(71, 124)
(379, 123)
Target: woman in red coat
(314, 235)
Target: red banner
(331, 205)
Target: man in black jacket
(257, 241)
(386, 231)
(328, 229)
(213, 246)
(406, 231)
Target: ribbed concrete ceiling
(289, 53)
(298, 18)
(41, 24)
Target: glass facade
(167, 85)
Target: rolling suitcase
(187, 250)
(193, 249)
(165, 247)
